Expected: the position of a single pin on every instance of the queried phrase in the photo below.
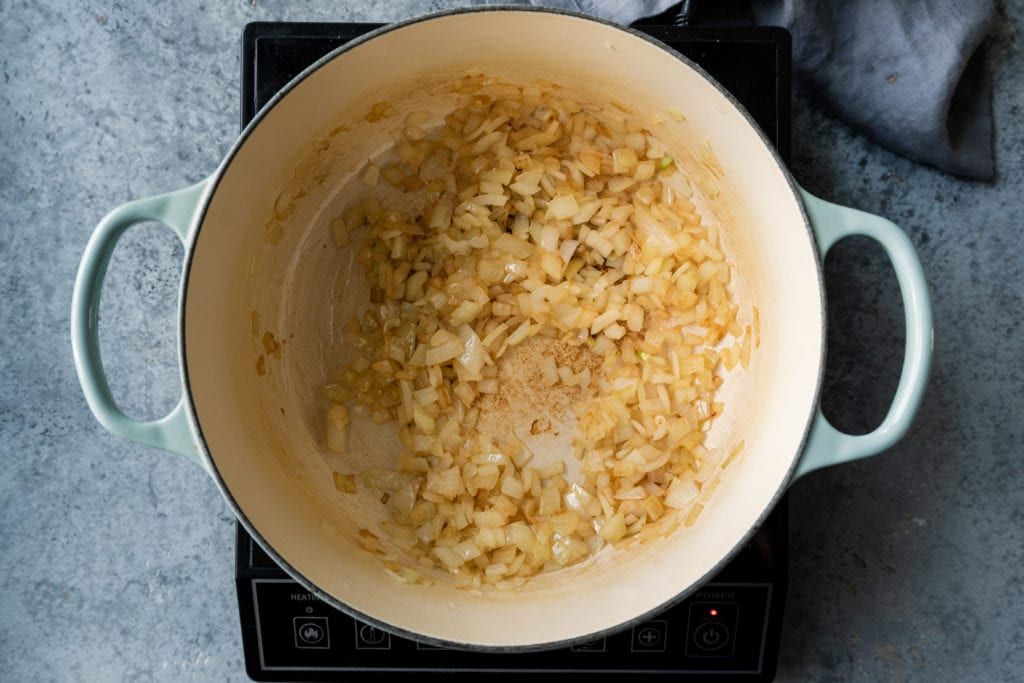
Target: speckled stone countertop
(117, 560)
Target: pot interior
(264, 432)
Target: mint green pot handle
(826, 445)
(177, 210)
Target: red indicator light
(713, 613)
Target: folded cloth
(619, 11)
(906, 73)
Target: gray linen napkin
(906, 73)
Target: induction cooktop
(728, 630)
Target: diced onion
(337, 428)
(543, 218)
(562, 207)
(680, 493)
(346, 483)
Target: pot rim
(240, 515)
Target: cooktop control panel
(720, 629)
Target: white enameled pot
(260, 435)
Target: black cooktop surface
(727, 630)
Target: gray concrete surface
(116, 560)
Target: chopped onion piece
(550, 501)
(513, 245)
(346, 483)
(614, 528)
(445, 483)
(387, 480)
(445, 352)
(337, 428)
(562, 207)
(680, 493)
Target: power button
(711, 631)
(711, 636)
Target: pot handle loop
(176, 210)
(826, 445)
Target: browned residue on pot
(271, 345)
(379, 110)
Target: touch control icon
(650, 636)
(713, 629)
(711, 636)
(311, 633)
(371, 638)
(589, 646)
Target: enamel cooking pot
(258, 431)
